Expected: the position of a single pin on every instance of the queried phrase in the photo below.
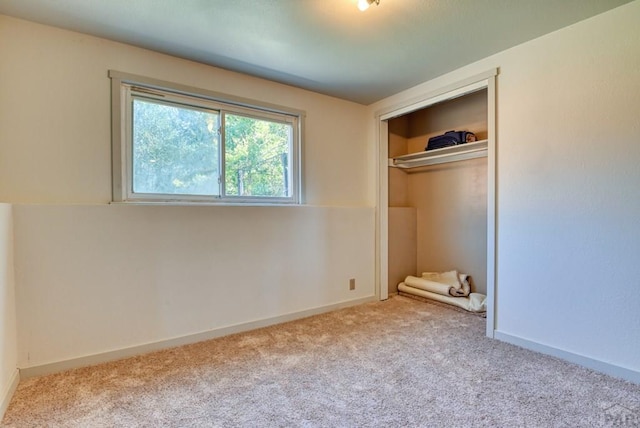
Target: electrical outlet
(352, 284)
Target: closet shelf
(460, 152)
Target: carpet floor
(397, 363)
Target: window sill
(207, 204)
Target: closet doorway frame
(486, 80)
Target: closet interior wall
(438, 214)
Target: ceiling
(327, 46)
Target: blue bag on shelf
(450, 138)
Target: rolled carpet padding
(458, 293)
(426, 285)
(459, 282)
(475, 302)
(451, 278)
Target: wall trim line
(581, 360)
(7, 394)
(119, 354)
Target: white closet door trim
(458, 89)
(492, 226)
(472, 84)
(382, 225)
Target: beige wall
(100, 278)
(566, 194)
(8, 337)
(55, 117)
(402, 245)
(94, 278)
(567, 179)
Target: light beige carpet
(399, 363)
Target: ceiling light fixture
(364, 4)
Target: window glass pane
(175, 149)
(257, 157)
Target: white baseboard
(581, 360)
(89, 360)
(8, 392)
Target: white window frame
(125, 86)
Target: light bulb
(363, 5)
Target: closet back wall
(448, 201)
(451, 198)
(451, 205)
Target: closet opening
(437, 207)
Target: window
(177, 144)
